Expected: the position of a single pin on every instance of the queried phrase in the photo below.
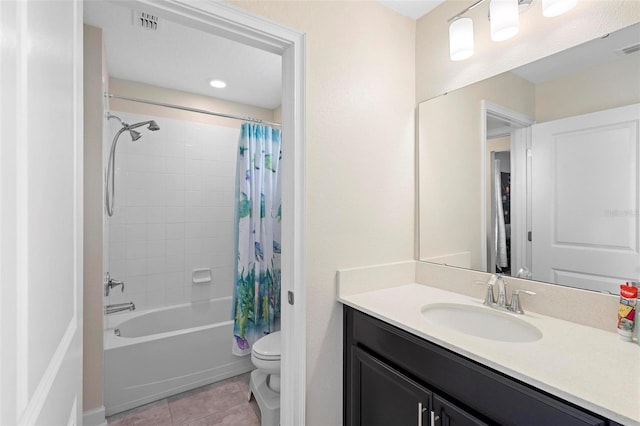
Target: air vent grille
(145, 20)
(629, 49)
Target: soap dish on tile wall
(201, 276)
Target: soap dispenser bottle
(636, 323)
(627, 311)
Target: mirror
(535, 172)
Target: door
(447, 414)
(382, 396)
(41, 212)
(585, 194)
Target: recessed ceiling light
(218, 84)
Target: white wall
(450, 155)
(360, 90)
(135, 89)
(174, 211)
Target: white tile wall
(173, 211)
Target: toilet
(265, 379)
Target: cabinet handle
(420, 411)
(434, 418)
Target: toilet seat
(267, 348)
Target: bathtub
(162, 352)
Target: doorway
(504, 188)
(233, 24)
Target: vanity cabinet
(394, 378)
(386, 396)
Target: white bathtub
(166, 351)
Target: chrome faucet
(119, 307)
(514, 306)
(111, 283)
(502, 292)
(501, 303)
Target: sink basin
(480, 321)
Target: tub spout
(119, 307)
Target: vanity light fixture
(461, 39)
(504, 18)
(217, 84)
(551, 8)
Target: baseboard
(95, 417)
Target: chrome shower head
(152, 125)
(135, 135)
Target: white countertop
(591, 368)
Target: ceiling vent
(629, 49)
(145, 20)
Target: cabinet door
(447, 414)
(382, 396)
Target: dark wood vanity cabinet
(388, 397)
(394, 378)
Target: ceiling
(181, 58)
(412, 8)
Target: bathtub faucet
(119, 307)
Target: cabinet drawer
(487, 392)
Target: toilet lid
(267, 347)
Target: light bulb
(505, 19)
(218, 84)
(461, 39)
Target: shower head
(110, 182)
(153, 126)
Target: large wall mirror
(535, 172)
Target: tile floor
(223, 403)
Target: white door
(41, 212)
(585, 193)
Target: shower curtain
(500, 228)
(256, 304)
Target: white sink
(481, 321)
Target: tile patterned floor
(219, 404)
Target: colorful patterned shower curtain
(256, 307)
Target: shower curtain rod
(201, 111)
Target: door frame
(235, 24)
(41, 383)
(515, 121)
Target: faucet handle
(488, 297)
(515, 300)
(112, 283)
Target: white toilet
(265, 380)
